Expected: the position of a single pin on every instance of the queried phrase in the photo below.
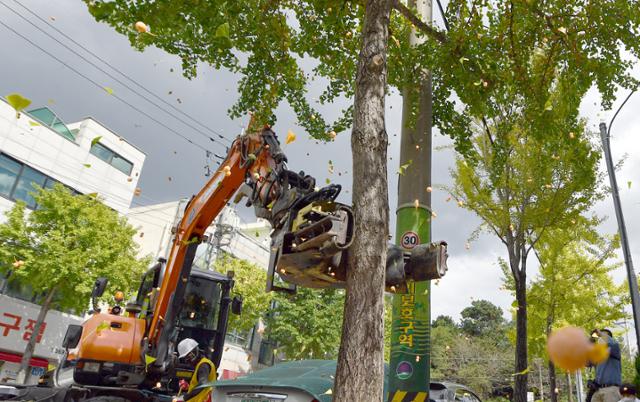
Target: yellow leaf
(108, 90)
(290, 137)
(523, 372)
(34, 123)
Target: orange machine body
(111, 338)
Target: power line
(102, 87)
(202, 133)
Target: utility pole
(622, 229)
(409, 374)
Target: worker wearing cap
(609, 372)
(203, 373)
(628, 392)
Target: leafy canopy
(308, 324)
(497, 57)
(574, 285)
(249, 283)
(482, 318)
(66, 244)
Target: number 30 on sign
(410, 240)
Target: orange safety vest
(205, 394)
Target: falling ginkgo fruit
(141, 27)
(290, 137)
(332, 134)
(416, 203)
(429, 189)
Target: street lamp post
(622, 229)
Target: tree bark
(552, 382)
(520, 389)
(31, 344)
(360, 371)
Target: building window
(45, 116)
(9, 171)
(112, 158)
(18, 181)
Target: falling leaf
(548, 105)
(170, 92)
(169, 178)
(87, 165)
(290, 137)
(129, 179)
(257, 234)
(562, 30)
(448, 199)
(34, 123)
(463, 59)
(222, 31)
(328, 181)
(52, 18)
(330, 168)
(403, 168)
(141, 234)
(141, 27)
(51, 101)
(102, 326)
(96, 140)
(523, 372)
(328, 392)
(108, 90)
(460, 203)
(629, 184)
(18, 102)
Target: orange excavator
(131, 355)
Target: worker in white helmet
(203, 373)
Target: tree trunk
(520, 389)
(552, 382)
(360, 371)
(31, 344)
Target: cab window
(201, 304)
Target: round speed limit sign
(410, 240)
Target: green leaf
(18, 102)
(523, 372)
(34, 123)
(108, 90)
(403, 168)
(629, 184)
(222, 31)
(327, 181)
(96, 140)
(87, 165)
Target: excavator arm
(255, 163)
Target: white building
(85, 156)
(37, 148)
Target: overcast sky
(473, 273)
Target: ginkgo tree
(523, 191)
(494, 59)
(574, 285)
(61, 248)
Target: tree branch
(417, 22)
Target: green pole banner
(410, 328)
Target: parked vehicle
(311, 381)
